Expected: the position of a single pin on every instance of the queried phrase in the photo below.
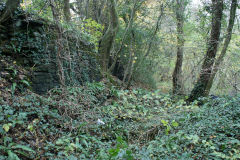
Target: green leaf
(84, 142)
(167, 130)
(22, 153)
(175, 124)
(26, 148)
(12, 156)
(6, 127)
(13, 87)
(15, 71)
(114, 152)
(165, 123)
(30, 127)
(25, 82)
(59, 142)
(3, 148)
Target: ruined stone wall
(31, 43)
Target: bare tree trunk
(155, 31)
(86, 8)
(79, 8)
(226, 43)
(200, 87)
(11, 6)
(66, 10)
(105, 45)
(177, 74)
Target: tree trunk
(226, 43)
(105, 45)
(11, 6)
(86, 8)
(80, 8)
(177, 74)
(158, 25)
(132, 62)
(128, 28)
(66, 10)
(200, 87)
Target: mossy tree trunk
(225, 46)
(106, 42)
(200, 87)
(177, 73)
(66, 9)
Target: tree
(200, 88)
(177, 74)
(11, 6)
(225, 45)
(66, 10)
(157, 28)
(129, 24)
(106, 42)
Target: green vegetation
(134, 124)
(119, 80)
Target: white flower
(100, 122)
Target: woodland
(119, 79)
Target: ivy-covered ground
(100, 122)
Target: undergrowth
(98, 122)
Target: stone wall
(31, 43)
(44, 78)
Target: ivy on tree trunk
(106, 43)
(225, 46)
(200, 88)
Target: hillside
(119, 80)
(98, 122)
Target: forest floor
(99, 122)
